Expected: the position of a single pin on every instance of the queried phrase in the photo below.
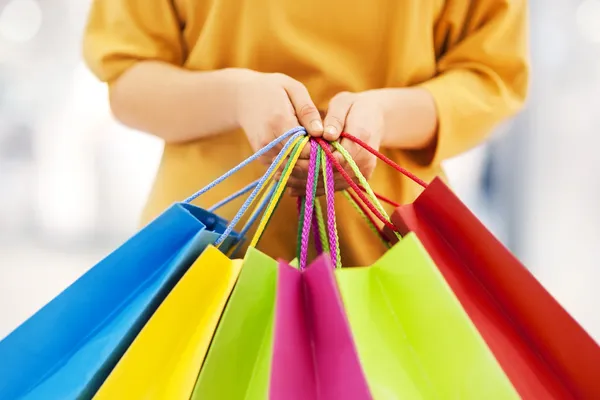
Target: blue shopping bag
(68, 348)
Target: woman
(423, 80)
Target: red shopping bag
(543, 350)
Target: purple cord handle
(309, 205)
(330, 200)
(316, 233)
(315, 152)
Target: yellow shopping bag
(164, 360)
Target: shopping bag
(238, 362)
(164, 359)
(414, 339)
(66, 349)
(544, 351)
(314, 356)
(242, 346)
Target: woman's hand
(359, 114)
(269, 104)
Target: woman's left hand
(359, 114)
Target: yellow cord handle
(278, 193)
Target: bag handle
(264, 201)
(298, 146)
(309, 203)
(318, 161)
(377, 210)
(383, 198)
(335, 251)
(364, 212)
(291, 134)
(287, 148)
(385, 159)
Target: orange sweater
(471, 55)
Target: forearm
(410, 118)
(175, 104)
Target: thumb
(335, 120)
(306, 111)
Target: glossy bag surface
(543, 350)
(164, 360)
(414, 339)
(68, 348)
(238, 362)
(314, 355)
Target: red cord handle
(365, 211)
(386, 160)
(382, 198)
(353, 184)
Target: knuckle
(277, 120)
(341, 96)
(334, 120)
(307, 110)
(279, 76)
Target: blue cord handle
(291, 133)
(234, 196)
(296, 133)
(255, 215)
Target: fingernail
(331, 130)
(317, 126)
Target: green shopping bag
(237, 365)
(242, 346)
(414, 339)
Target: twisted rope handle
(279, 190)
(361, 178)
(256, 213)
(292, 133)
(383, 198)
(267, 176)
(385, 159)
(364, 212)
(381, 216)
(321, 229)
(311, 189)
(336, 256)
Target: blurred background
(73, 181)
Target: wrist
(410, 117)
(224, 92)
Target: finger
(298, 184)
(320, 192)
(305, 109)
(300, 170)
(282, 118)
(339, 107)
(354, 150)
(341, 186)
(305, 153)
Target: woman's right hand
(270, 104)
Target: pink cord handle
(330, 200)
(309, 205)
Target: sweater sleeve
(120, 33)
(482, 77)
